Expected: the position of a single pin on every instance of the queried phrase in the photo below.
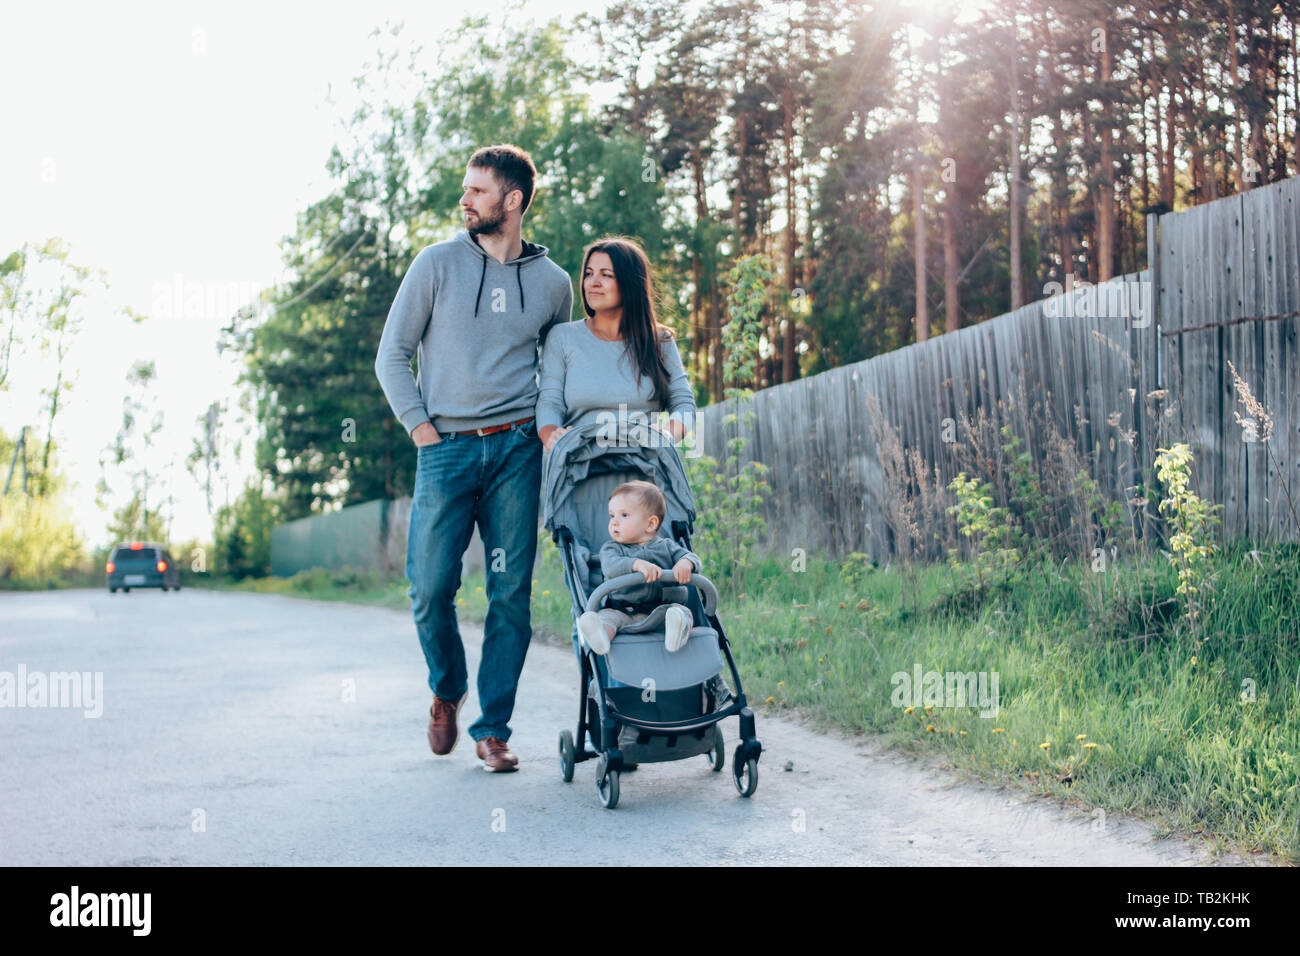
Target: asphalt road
(245, 729)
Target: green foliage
(749, 279)
(1107, 517)
(130, 522)
(1025, 493)
(729, 496)
(992, 534)
(855, 569)
(1191, 524)
(39, 544)
(728, 522)
(242, 534)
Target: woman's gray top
(582, 376)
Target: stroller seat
(637, 652)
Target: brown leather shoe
(442, 724)
(496, 755)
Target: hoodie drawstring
(481, 276)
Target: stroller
(639, 703)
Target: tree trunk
(702, 328)
(1017, 287)
(1234, 66)
(1106, 177)
(918, 249)
(791, 241)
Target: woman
(618, 356)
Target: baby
(636, 510)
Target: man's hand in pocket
(425, 434)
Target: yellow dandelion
(1089, 746)
(821, 660)
(771, 700)
(478, 588)
(961, 733)
(929, 726)
(1045, 745)
(999, 730)
(1080, 736)
(930, 708)
(780, 683)
(909, 710)
(544, 593)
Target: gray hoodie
(478, 325)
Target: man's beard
(488, 225)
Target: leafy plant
(989, 528)
(1191, 523)
(729, 496)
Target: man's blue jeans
(495, 481)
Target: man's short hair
(647, 495)
(512, 165)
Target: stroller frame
(604, 729)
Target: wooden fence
(1120, 369)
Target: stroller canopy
(590, 461)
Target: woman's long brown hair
(640, 328)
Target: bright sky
(173, 143)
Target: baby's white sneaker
(677, 628)
(592, 629)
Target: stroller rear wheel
(567, 750)
(717, 757)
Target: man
(478, 307)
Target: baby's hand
(683, 570)
(651, 571)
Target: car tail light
(108, 568)
(136, 545)
(162, 565)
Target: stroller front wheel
(744, 773)
(607, 787)
(567, 751)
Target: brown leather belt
(494, 428)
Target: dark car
(142, 564)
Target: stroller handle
(707, 590)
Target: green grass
(1106, 655)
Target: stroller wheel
(717, 757)
(744, 773)
(567, 750)
(607, 787)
